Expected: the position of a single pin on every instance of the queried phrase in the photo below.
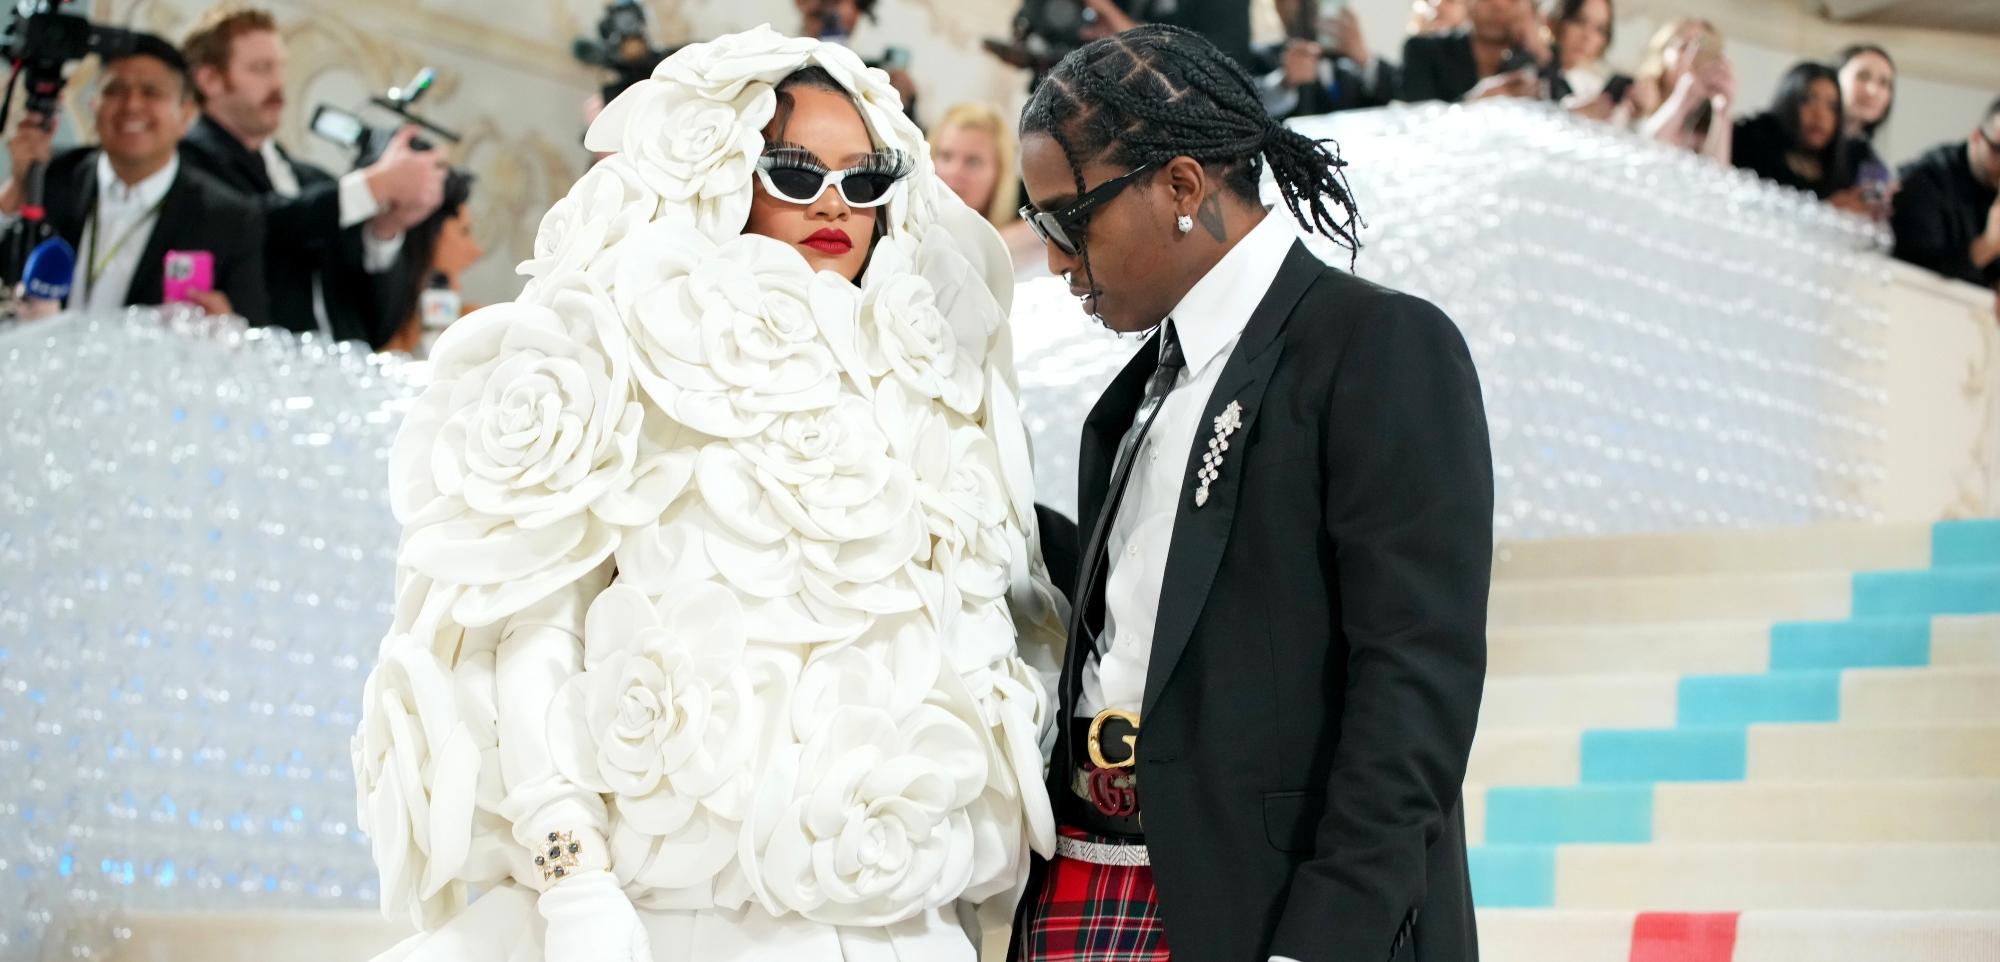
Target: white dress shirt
(357, 206)
(1209, 320)
(121, 225)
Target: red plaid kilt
(1094, 913)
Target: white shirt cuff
(1283, 958)
(357, 202)
(378, 255)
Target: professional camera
(42, 40)
(1044, 32)
(366, 141)
(624, 45)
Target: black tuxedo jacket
(306, 243)
(1321, 642)
(1438, 67)
(197, 215)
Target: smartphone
(188, 273)
(896, 58)
(1329, 9)
(1618, 87)
(1874, 179)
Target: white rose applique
(697, 153)
(867, 823)
(607, 204)
(905, 335)
(416, 776)
(726, 338)
(665, 719)
(721, 68)
(516, 467)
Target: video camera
(42, 41)
(1045, 31)
(624, 45)
(365, 141)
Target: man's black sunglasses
(1064, 228)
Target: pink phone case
(188, 273)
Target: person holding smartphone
(332, 241)
(1325, 66)
(1685, 92)
(1501, 53)
(131, 209)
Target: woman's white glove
(590, 919)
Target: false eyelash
(788, 156)
(893, 163)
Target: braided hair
(1156, 92)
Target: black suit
(197, 214)
(1438, 67)
(307, 245)
(1320, 646)
(1352, 87)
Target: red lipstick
(830, 242)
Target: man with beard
(332, 244)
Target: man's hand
(29, 145)
(404, 175)
(1514, 83)
(1301, 63)
(1343, 32)
(212, 303)
(1992, 232)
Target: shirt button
(1132, 550)
(1153, 453)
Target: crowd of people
(186, 163)
(186, 158)
(1817, 134)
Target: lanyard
(97, 265)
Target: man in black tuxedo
(332, 242)
(125, 204)
(1324, 68)
(1278, 640)
(1501, 53)
(1226, 23)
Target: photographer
(1332, 71)
(1225, 23)
(333, 243)
(835, 21)
(124, 205)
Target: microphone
(50, 271)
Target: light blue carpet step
(1974, 542)
(1856, 643)
(1959, 590)
(1701, 753)
(1778, 696)
(1513, 876)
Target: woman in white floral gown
(718, 562)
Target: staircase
(1742, 747)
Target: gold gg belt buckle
(1124, 726)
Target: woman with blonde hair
(1685, 89)
(973, 148)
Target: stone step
(1834, 547)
